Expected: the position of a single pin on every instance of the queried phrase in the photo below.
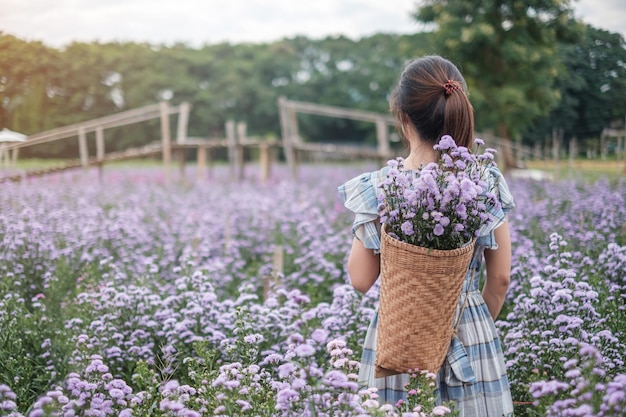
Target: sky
(198, 22)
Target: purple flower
(319, 335)
(169, 405)
(543, 388)
(335, 344)
(438, 230)
(7, 405)
(170, 387)
(285, 397)
(446, 142)
(285, 369)
(117, 393)
(407, 228)
(441, 410)
(304, 350)
(336, 378)
(245, 405)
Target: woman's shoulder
(362, 190)
(498, 183)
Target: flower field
(133, 298)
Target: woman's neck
(420, 155)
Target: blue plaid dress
(473, 375)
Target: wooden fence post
(288, 146)
(621, 152)
(555, 148)
(181, 156)
(602, 146)
(294, 131)
(14, 157)
(382, 136)
(100, 151)
(518, 151)
(572, 151)
(100, 144)
(242, 128)
(166, 140)
(294, 139)
(227, 233)
(278, 261)
(264, 161)
(183, 119)
(209, 162)
(202, 154)
(231, 139)
(82, 147)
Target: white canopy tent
(8, 136)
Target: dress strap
(467, 291)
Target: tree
(43, 88)
(592, 89)
(26, 69)
(358, 74)
(507, 50)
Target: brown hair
(432, 94)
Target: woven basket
(419, 294)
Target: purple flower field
(132, 298)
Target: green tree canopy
(518, 59)
(27, 71)
(43, 88)
(507, 50)
(593, 88)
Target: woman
(429, 101)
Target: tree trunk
(506, 147)
(556, 146)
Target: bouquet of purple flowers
(444, 204)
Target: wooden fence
(236, 141)
(294, 146)
(80, 130)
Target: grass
(587, 170)
(32, 163)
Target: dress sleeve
(497, 183)
(360, 196)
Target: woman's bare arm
(363, 266)
(498, 263)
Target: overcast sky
(196, 22)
